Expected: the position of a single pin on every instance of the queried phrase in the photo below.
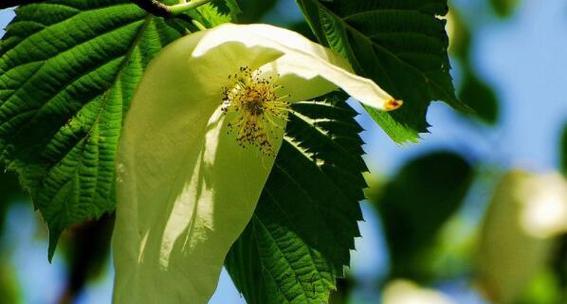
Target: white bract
(198, 144)
(527, 212)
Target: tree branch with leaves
(153, 7)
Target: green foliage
(254, 10)
(563, 150)
(560, 259)
(478, 95)
(87, 252)
(68, 70)
(304, 226)
(474, 92)
(10, 192)
(400, 44)
(226, 7)
(416, 204)
(9, 289)
(504, 8)
(215, 13)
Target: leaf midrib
(288, 262)
(81, 12)
(288, 219)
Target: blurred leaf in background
(415, 204)
(9, 289)
(563, 150)
(10, 193)
(253, 10)
(559, 262)
(473, 91)
(479, 96)
(86, 249)
(504, 8)
(407, 292)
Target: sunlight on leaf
(299, 240)
(401, 45)
(67, 73)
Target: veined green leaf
(298, 241)
(401, 45)
(475, 92)
(563, 150)
(254, 10)
(217, 12)
(68, 69)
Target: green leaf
(475, 92)
(299, 238)
(563, 150)
(215, 13)
(87, 252)
(401, 45)
(10, 291)
(416, 204)
(254, 10)
(68, 70)
(10, 193)
(504, 8)
(480, 97)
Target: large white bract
(198, 144)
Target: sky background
(523, 58)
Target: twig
(154, 7)
(9, 3)
(159, 9)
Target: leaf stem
(199, 25)
(154, 7)
(180, 8)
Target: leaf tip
(54, 235)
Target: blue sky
(524, 58)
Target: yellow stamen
(254, 109)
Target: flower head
(254, 108)
(198, 144)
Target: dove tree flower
(198, 143)
(527, 212)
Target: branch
(159, 9)
(10, 3)
(154, 7)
